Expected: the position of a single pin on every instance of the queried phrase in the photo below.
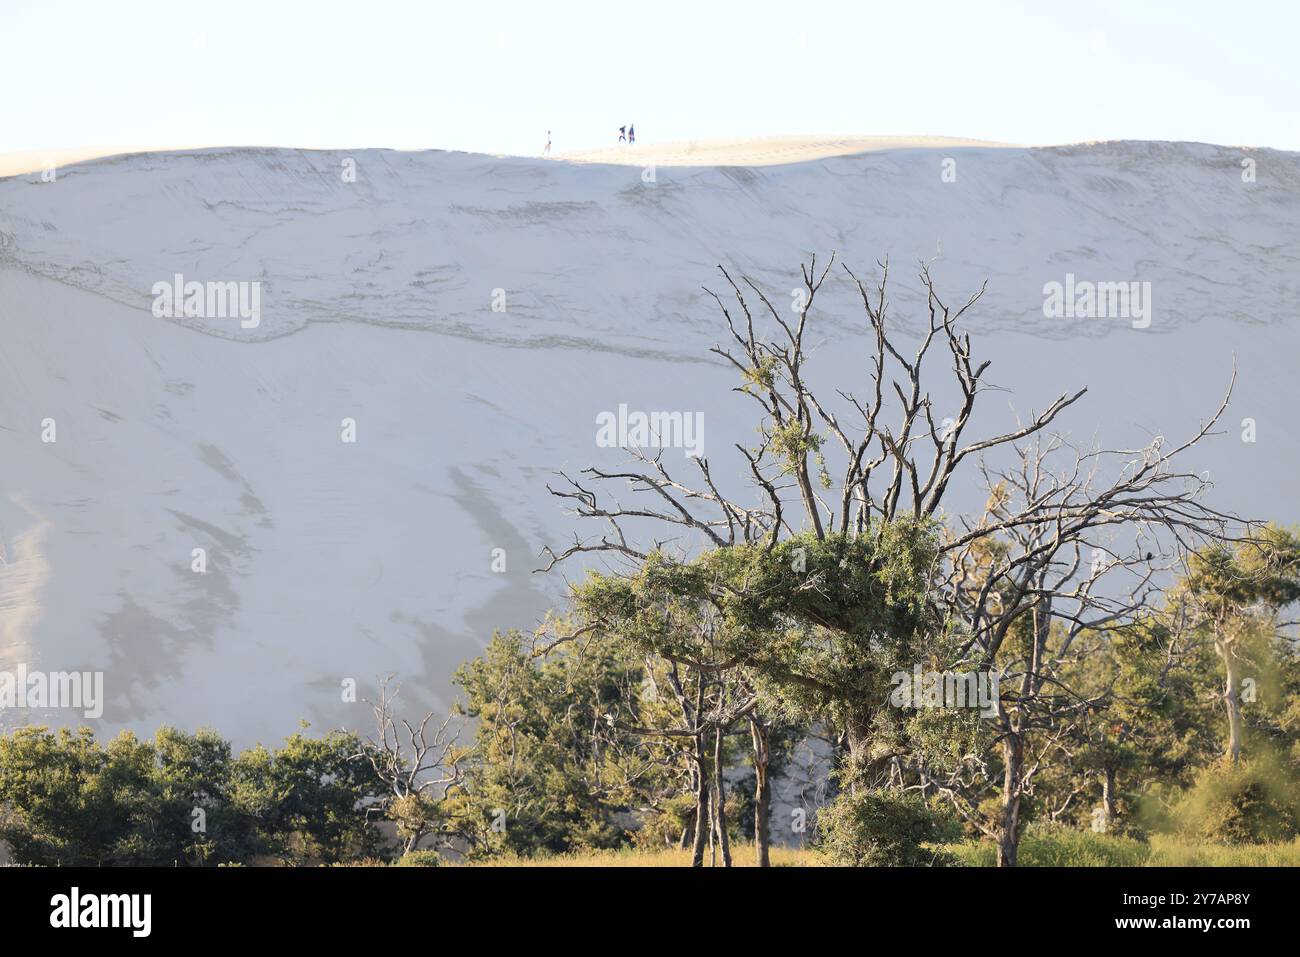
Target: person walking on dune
(631, 134)
(547, 149)
(622, 134)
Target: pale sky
(495, 75)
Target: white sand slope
(329, 561)
(34, 161)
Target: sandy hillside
(33, 161)
(757, 151)
(328, 561)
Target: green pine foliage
(181, 799)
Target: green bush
(66, 799)
(1248, 803)
(419, 859)
(882, 829)
(1048, 845)
(1054, 846)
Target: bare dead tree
(419, 764)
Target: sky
(495, 76)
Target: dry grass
(1168, 852)
(742, 855)
(1071, 849)
(1068, 848)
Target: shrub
(664, 825)
(882, 829)
(66, 799)
(1247, 803)
(419, 859)
(1055, 846)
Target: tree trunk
(1013, 755)
(1013, 745)
(703, 819)
(762, 792)
(856, 731)
(865, 771)
(1108, 798)
(809, 497)
(1232, 700)
(720, 798)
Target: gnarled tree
(846, 566)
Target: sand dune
(329, 561)
(33, 161)
(755, 151)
